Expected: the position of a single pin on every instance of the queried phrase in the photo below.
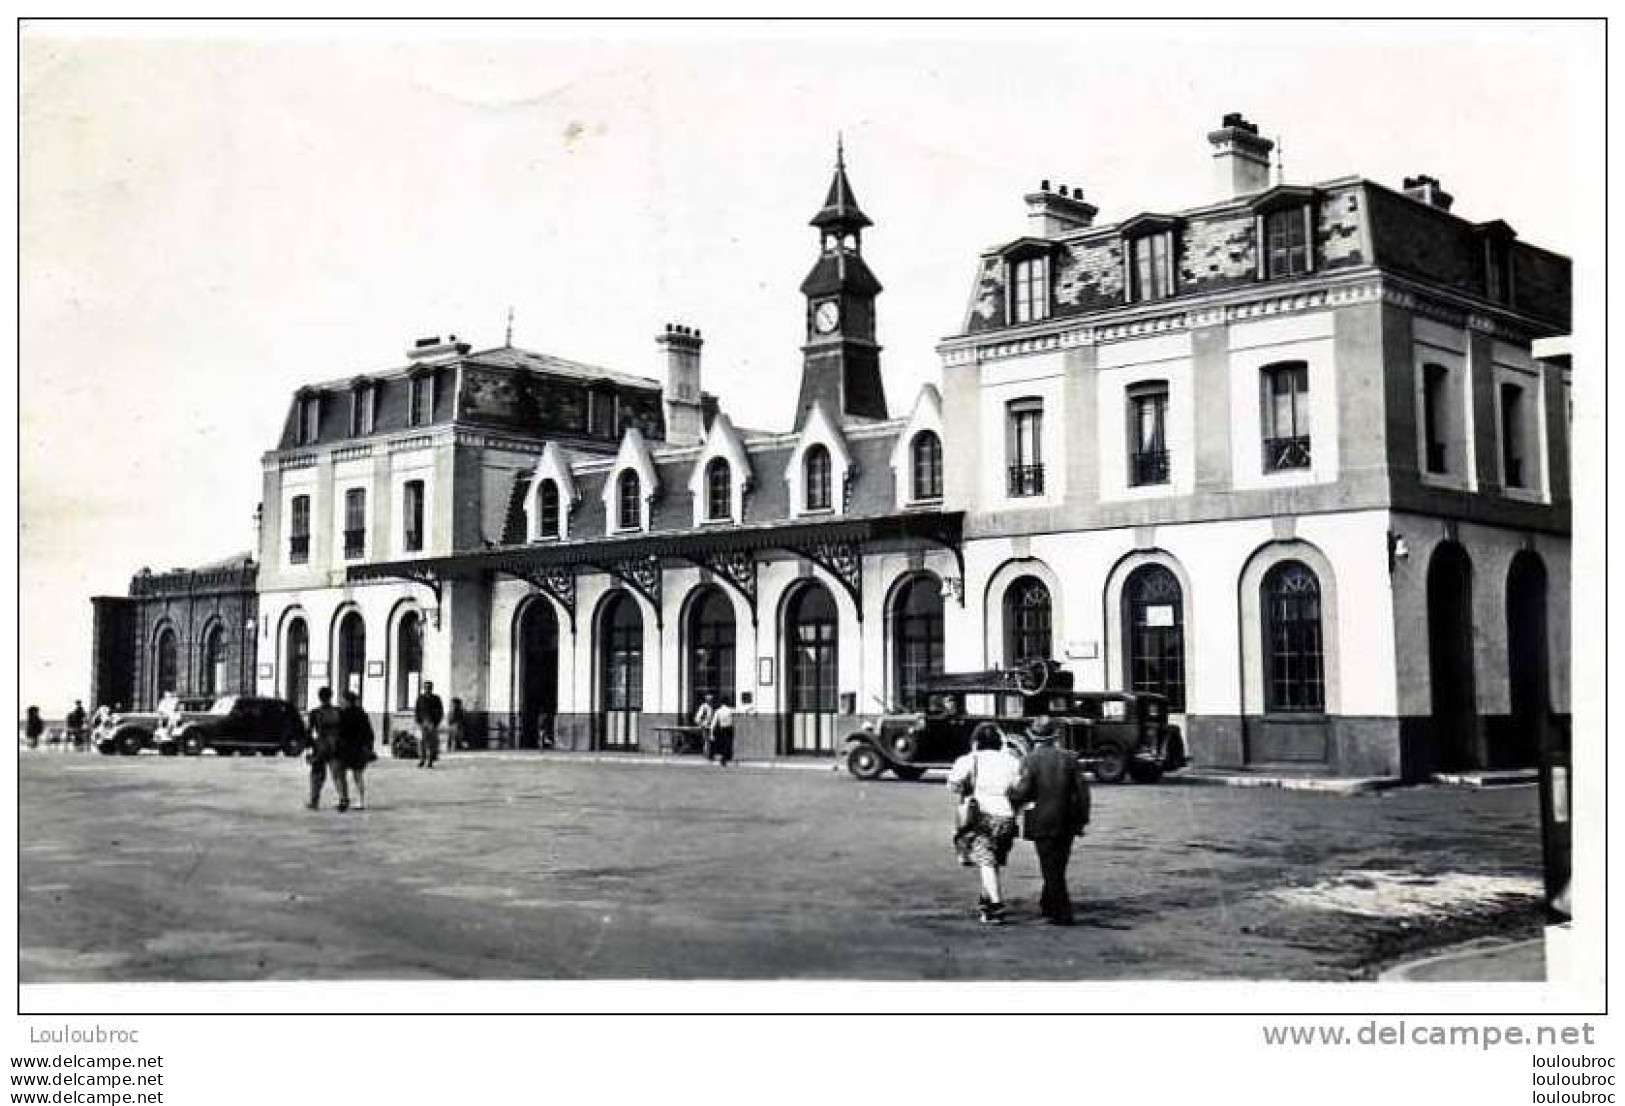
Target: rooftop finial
(840, 151)
(1280, 161)
(508, 341)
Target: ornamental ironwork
(840, 558)
(643, 575)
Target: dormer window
(363, 408)
(1151, 265)
(309, 415)
(817, 470)
(1029, 290)
(421, 406)
(628, 499)
(718, 491)
(1286, 242)
(926, 457)
(547, 509)
(1497, 238)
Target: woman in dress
(456, 724)
(355, 746)
(981, 778)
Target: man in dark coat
(1052, 782)
(427, 713)
(324, 751)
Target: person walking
(1051, 783)
(76, 724)
(355, 747)
(703, 716)
(324, 752)
(428, 713)
(986, 823)
(33, 727)
(456, 725)
(722, 733)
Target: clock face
(826, 316)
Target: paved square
(538, 867)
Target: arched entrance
(711, 635)
(917, 636)
(1457, 739)
(811, 666)
(536, 665)
(408, 660)
(212, 661)
(1528, 675)
(165, 664)
(1154, 634)
(350, 670)
(620, 671)
(296, 665)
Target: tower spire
(840, 213)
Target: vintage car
(1117, 734)
(240, 724)
(175, 712)
(128, 732)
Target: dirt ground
(539, 867)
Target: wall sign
(267, 671)
(764, 671)
(1162, 615)
(375, 668)
(1083, 650)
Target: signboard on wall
(1161, 615)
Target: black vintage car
(241, 724)
(1117, 734)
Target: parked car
(127, 732)
(174, 712)
(1117, 734)
(241, 724)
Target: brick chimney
(1241, 159)
(1427, 190)
(1050, 214)
(685, 419)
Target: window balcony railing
(355, 543)
(414, 541)
(1514, 472)
(1026, 480)
(1286, 453)
(1436, 461)
(299, 548)
(1148, 466)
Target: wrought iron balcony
(1286, 453)
(1514, 472)
(1436, 459)
(1026, 480)
(414, 541)
(298, 548)
(1149, 466)
(355, 543)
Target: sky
(212, 216)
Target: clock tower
(841, 360)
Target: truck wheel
(864, 762)
(1111, 763)
(907, 771)
(1145, 773)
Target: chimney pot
(1241, 159)
(1428, 190)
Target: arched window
(718, 490)
(1027, 622)
(817, 479)
(1154, 633)
(916, 637)
(213, 655)
(296, 667)
(165, 667)
(711, 645)
(630, 515)
(1294, 676)
(408, 659)
(926, 452)
(547, 509)
(812, 652)
(620, 669)
(352, 654)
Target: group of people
(341, 745)
(1048, 789)
(77, 732)
(716, 723)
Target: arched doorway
(1027, 622)
(917, 635)
(408, 660)
(711, 635)
(350, 671)
(165, 664)
(536, 663)
(1154, 634)
(1457, 741)
(620, 671)
(296, 665)
(1528, 675)
(811, 669)
(212, 661)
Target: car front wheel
(192, 745)
(1111, 763)
(130, 744)
(292, 747)
(864, 763)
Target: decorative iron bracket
(559, 583)
(735, 568)
(429, 579)
(957, 586)
(842, 559)
(643, 575)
